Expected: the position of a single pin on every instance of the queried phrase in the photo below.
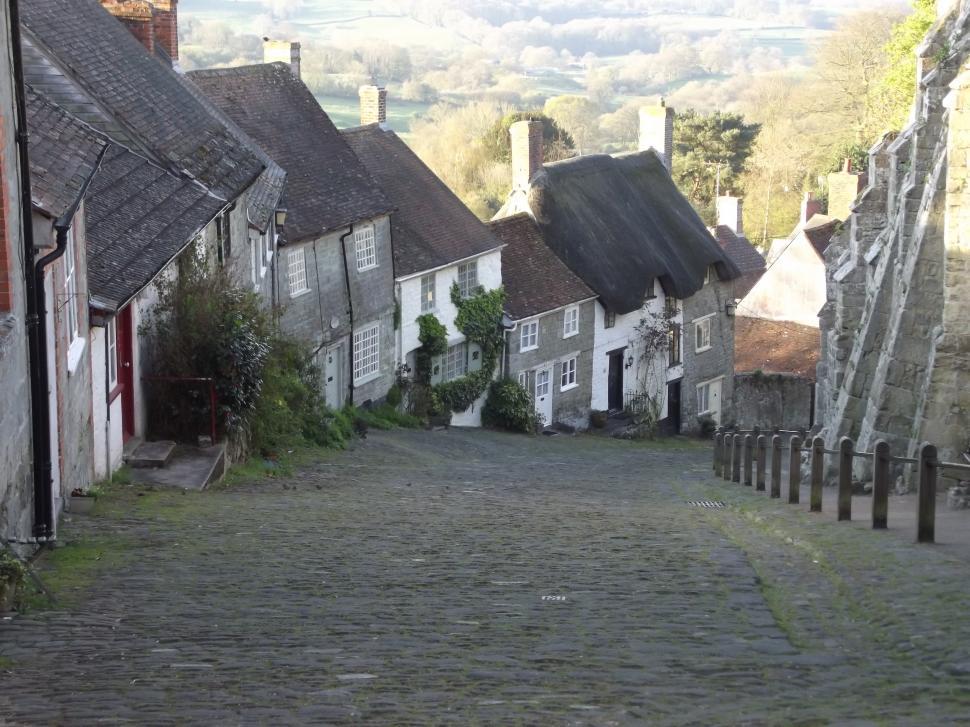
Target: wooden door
(615, 381)
(126, 374)
(673, 406)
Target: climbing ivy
(480, 320)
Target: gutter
(350, 307)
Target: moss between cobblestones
(68, 570)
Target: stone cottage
(549, 346)
(335, 282)
(729, 233)
(895, 352)
(437, 242)
(620, 224)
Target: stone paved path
(478, 578)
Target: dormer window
(711, 276)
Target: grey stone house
(334, 281)
(620, 224)
(436, 241)
(549, 347)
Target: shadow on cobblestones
(480, 578)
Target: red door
(126, 384)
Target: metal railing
(742, 455)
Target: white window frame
(567, 374)
(468, 278)
(429, 293)
(365, 247)
(75, 343)
(570, 322)
(454, 362)
(296, 272)
(367, 352)
(529, 336)
(544, 380)
(703, 333)
(255, 264)
(111, 337)
(706, 398)
(524, 380)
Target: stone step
(191, 468)
(151, 455)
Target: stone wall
(16, 472)
(773, 401)
(715, 362)
(895, 353)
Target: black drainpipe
(350, 307)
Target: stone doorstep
(191, 468)
(152, 454)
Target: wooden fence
(742, 456)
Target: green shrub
(12, 571)
(387, 417)
(394, 397)
(509, 406)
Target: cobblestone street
(471, 577)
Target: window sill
(570, 335)
(74, 354)
(569, 387)
(367, 379)
(366, 268)
(529, 348)
(298, 293)
(703, 349)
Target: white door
(544, 394)
(333, 381)
(709, 399)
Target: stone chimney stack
(810, 207)
(282, 51)
(729, 213)
(136, 15)
(526, 152)
(844, 187)
(657, 131)
(167, 27)
(373, 105)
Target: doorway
(543, 397)
(615, 381)
(126, 379)
(333, 381)
(673, 406)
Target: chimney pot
(136, 15)
(527, 152)
(847, 165)
(282, 51)
(657, 131)
(810, 207)
(373, 105)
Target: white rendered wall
(793, 287)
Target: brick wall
(526, 140)
(373, 105)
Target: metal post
(846, 448)
(759, 479)
(926, 514)
(736, 459)
(881, 460)
(776, 465)
(748, 452)
(794, 469)
(818, 466)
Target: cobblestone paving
(478, 578)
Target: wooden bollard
(759, 479)
(727, 447)
(794, 469)
(776, 465)
(881, 461)
(846, 448)
(718, 440)
(926, 512)
(748, 453)
(818, 469)
(736, 459)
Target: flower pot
(81, 505)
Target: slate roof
(535, 280)
(777, 347)
(430, 226)
(745, 255)
(619, 222)
(88, 63)
(819, 230)
(64, 155)
(139, 217)
(327, 186)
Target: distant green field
(345, 112)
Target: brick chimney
(373, 105)
(526, 152)
(844, 187)
(136, 15)
(657, 131)
(810, 207)
(729, 213)
(282, 51)
(167, 27)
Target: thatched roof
(619, 222)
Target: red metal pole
(212, 410)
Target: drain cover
(705, 503)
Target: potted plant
(82, 501)
(12, 575)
